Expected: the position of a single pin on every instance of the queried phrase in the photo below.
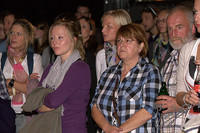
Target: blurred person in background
(90, 46)
(8, 20)
(41, 37)
(149, 19)
(83, 10)
(41, 43)
(162, 48)
(2, 34)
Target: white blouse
(100, 63)
(8, 73)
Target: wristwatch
(11, 83)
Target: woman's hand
(192, 98)
(34, 76)
(44, 108)
(112, 129)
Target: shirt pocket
(133, 93)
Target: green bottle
(163, 91)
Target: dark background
(37, 10)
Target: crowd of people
(71, 77)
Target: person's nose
(197, 17)
(54, 42)
(103, 30)
(173, 32)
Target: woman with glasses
(19, 65)
(125, 95)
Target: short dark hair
(151, 10)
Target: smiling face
(110, 28)
(17, 37)
(197, 14)
(61, 41)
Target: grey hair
(188, 13)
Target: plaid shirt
(171, 122)
(138, 90)
(3, 89)
(161, 51)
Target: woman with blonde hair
(111, 22)
(19, 65)
(69, 76)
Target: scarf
(58, 70)
(19, 73)
(110, 53)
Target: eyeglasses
(126, 41)
(12, 33)
(161, 21)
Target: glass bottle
(163, 91)
(197, 88)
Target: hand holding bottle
(160, 101)
(168, 103)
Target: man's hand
(167, 102)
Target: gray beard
(185, 40)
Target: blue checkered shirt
(3, 89)
(138, 90)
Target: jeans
(20, 121)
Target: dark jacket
(7, 117)
(47, 122)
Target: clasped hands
(113, 129)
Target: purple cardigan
(73, 94)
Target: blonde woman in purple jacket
(69, 77)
